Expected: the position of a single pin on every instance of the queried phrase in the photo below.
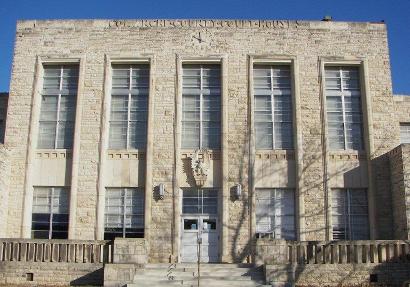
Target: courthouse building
(235, 131)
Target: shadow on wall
(95, 278)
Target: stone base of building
(30, 262)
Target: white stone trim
(76, 152)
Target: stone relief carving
(199, 23)
(200, 166)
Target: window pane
(118, 135)
(264, 135)
(405, 132)
(48, 111)
(138, 134)
(67, 108)
(275, 212)
(211, 135)
(138, 109)
(190, 134)
(65, 135)
(47, 135)
(124, 213)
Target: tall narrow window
(50, 213)
(201, 106)
(124, 213)
(404, 133)
(275, 213)
(58, 101)
(273, 107)
(350, 214)
(3, 115)
(129, 106)
(344, 111)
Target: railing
(348, 252)
(56, 250)
(273, 251)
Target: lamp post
(199, 241)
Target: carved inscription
(160, 23)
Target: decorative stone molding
(204, 23)
(200, 166)
(347, 155)
(53, 154)
(112, 154)
(276, 155)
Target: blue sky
(394, 12)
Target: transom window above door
(272, 90)
(129, 106)
(200, 201)
(201, 106)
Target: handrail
(333, 252)
(56, 250)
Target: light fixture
(161, 190)
(238, 190)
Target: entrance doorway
(199, 221)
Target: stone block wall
(309, 44)
(4, 178)
(400, 185)
(50, 274)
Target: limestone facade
(311, 168)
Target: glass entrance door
(199, 234)
(200, 224)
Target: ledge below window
(54, 153)
(126, 154)
(276, 154)
(347, 155)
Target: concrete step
(203, 283)
(219, 273)
(212, 275)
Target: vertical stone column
(32, 140)
(76, 152)
(104, 134)
(298, 144)
(149, 151)
(224, 204)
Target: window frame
(201, 65)
(51, 196)
(3, 116)
(56, 123)
(348, 216)
(124, 214)
(272, 64)
(272, 212)
(343, 94)
(200, 197)
(405, 135)
(130, 95)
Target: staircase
(212, 275)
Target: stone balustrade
(272, 251)
(56, 250)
